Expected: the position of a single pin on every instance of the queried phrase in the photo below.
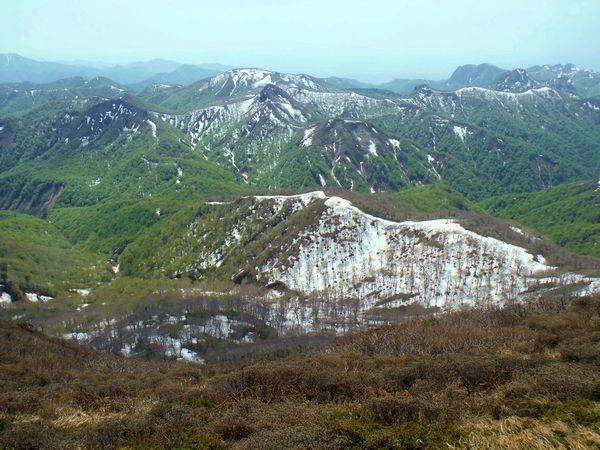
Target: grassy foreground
(527, 376)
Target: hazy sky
(371, 40)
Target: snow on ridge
(348, 255)
(253, 78)
(305, 198)
(353, 254)
(545, 90)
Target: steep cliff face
(29, 196)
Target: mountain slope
(484, 141)
(16, 69)
(236, 84)
(111, 149)
(517, 80)
(569, 214)
(17, 99)
(36, 258)
(277, 130)
(269, 129)
(413, 385)
(584, 83)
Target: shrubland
(523, 376)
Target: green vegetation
(569, 214)
(109, 227)
(507, 144)
(103, 176)
(36, 257)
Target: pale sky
(372, 40)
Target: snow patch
(83, 292)
(153, 126)
(461, 132)
(35, 297)
(373, 148)
(307, 138)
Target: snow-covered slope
(243, 81)
(329, 261)
(435, 263)
(470, 98)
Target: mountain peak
(475, 75)
(244, 81)
(518, 80)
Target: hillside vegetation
(569, 214)
(526, 376)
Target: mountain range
(15, 68)
(287, 202)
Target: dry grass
(517, 433)
(513, 378)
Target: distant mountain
(550, 72)
(17, 69)
(349, 83)
(475, 75)
(267, 129)
(183, 75)
(19, 98)
(400, 86)
(569, 78)
(233, 84)
(404, 86)
(138, 71)
(483, 75)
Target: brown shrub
(321, 377)
(401, 409)
(584, 349)
(560, 381)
